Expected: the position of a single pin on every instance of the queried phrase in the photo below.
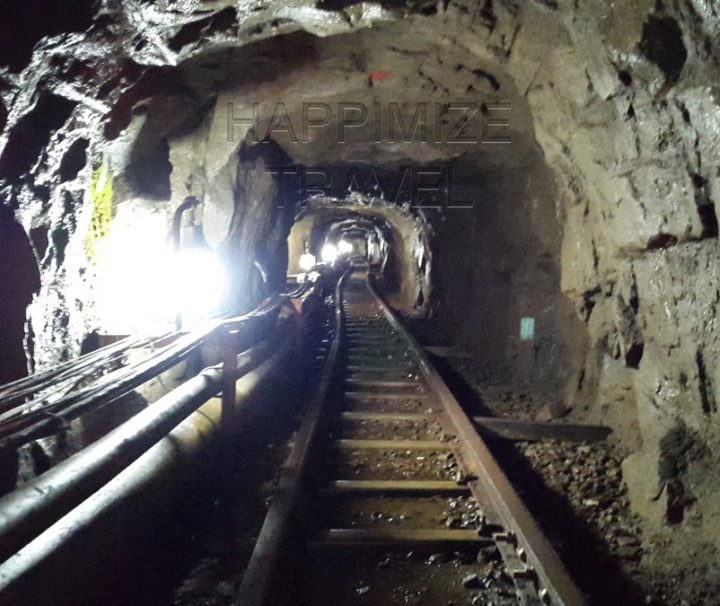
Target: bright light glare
(345, 247)
(307, 261)
(199, 284)
(329, 253)
(141, 283)
(132, 289)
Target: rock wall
(498, 263)
(629, 126)
(19, 279)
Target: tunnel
(222, 219)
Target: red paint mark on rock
(380, 74)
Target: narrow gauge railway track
(391, 495)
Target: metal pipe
(261, 270)
(163, 460)
(38, 423)
(47, 497)
(187, 204)
(33, 506)
(22, 388)
(229, 365)
(258, 572)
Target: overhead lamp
(329, 254)
(345, 247)
(307, 261)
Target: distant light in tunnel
(345, 247)
(329, 253)
(307, 261)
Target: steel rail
(259, 570)
(494, 483)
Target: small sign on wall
(527, 329)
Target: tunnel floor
(575, 492)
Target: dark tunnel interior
(530, 186)
(20, 279)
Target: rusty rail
(260, 568)
(493, 484)
(535, 567)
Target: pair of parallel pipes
(140, 453)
